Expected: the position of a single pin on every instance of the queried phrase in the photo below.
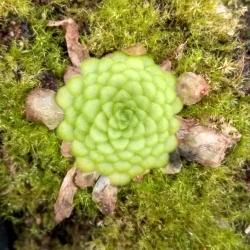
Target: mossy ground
(199, 208)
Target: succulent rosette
(119, 116)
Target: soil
(48, 80)
(10, 30)
(14, 28)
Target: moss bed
(200, 207)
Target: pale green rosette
(119, 116)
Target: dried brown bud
(191, 88)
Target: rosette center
(123, 117)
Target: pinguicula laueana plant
(119, 116)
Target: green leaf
(148, 162)
(65, 131)
(82, 123)
(91, 92)
(127, 133)
(91, 108)
(133, 122)
(113, 123)
(89, 65)
(171, 144)
(97, 135)
(90, 79)
(79, 135)
(104, 64)
(147, 60)
(132, 74)
(122, 96)
(151, 140)
(160, 98)
(85, 164)
(140, 114)
(149, 90)
(160, 82)
(174, 126)
(75, 85)
(134, 62)
(117, 80)
(102, 78)
(136, 159)
(158, 149)
(96, 157)
(105, 148)
(117, 106)
(119, 56)
(150, 126)
(114, 134)
(133, 88)
(63, 98)
(131, 105)
(163, 136)
(120, 144)
(122, 166)
(78, 103)
(162, 125)
(154, 69)
(126, 115)
(136, 145)
(122, 122)
(107, 93)
(108, 109)
(167, 111)
(78, 149)
(89, 143)
(118, 67)
(170, 79)
(125, 155)
(170, 94)
(177, 105)
(145, 152)
(119, 179)
(105, 168)
(145, 76)
(101, 121)
(135, 171)
(155, 112)
(142, 102)
(139, 130)
(112, 158)
(162, 160)
(71, 115)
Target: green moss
(163, 212)
(20, 7)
